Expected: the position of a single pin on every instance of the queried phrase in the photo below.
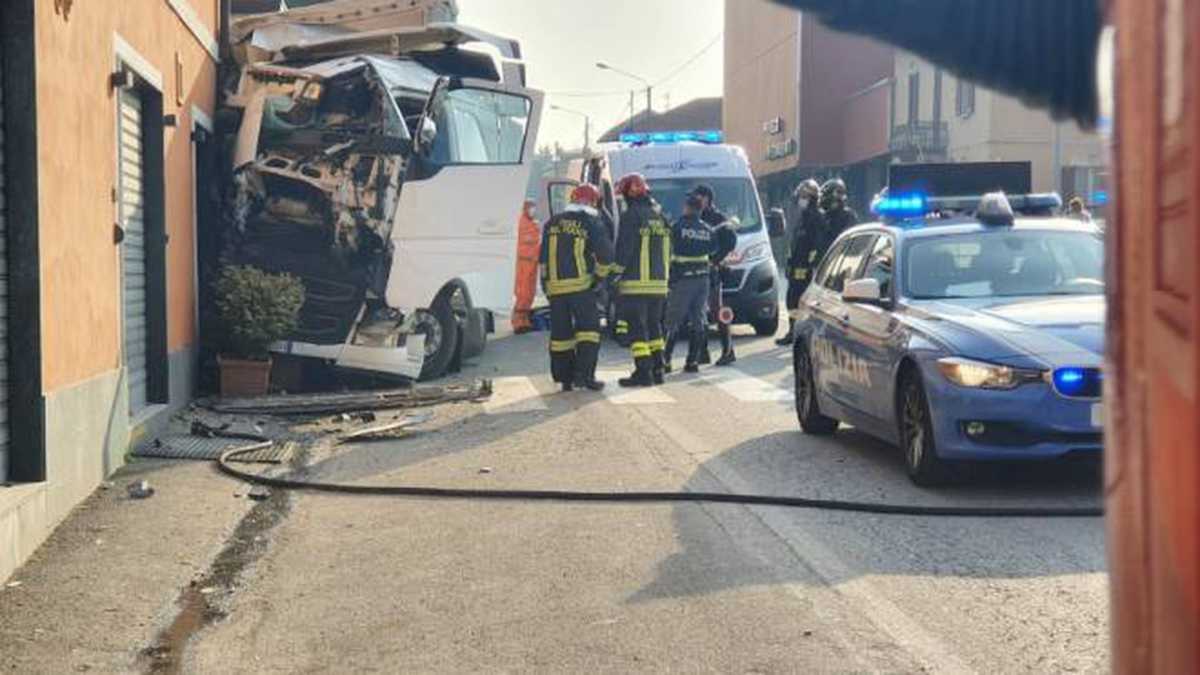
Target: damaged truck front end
(388, 181)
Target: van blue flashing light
(671, 137)
(901, 206)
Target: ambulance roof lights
(711, 136)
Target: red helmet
(633, 185)
(585, 194)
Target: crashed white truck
(385, 168)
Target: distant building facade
(804, 100)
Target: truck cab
(385, 167)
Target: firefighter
(575, 252)
(692, 243)
(726, 241)
(529, 242)
(838, 217)
(809, 221)
(643, 257)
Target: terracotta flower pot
(244, 377)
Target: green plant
(256, 308)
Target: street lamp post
(587, 123)
(649, 87)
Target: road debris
(485, 469)
(139, 490)
(13, 584)
(355, 402)
(386, 430)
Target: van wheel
(440, 329)
(766, 327)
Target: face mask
(803, 202)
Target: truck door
(457, 216)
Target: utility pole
(587, 123)
(649, 89)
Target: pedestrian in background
(529, 242)
(575, 253)
(693, 242)
(1078, 210)
(643, 258)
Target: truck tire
(440, 329)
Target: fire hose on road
(429, 492)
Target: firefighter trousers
(574, 337)
(644, 316)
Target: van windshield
(735, 197)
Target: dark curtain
(1041, 51)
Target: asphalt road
(361, 584)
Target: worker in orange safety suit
(529, 243)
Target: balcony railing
(920, 138)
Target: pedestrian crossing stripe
(513, 395)
(523, 394)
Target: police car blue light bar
(901, 206)
(918, 205)
(670, 137)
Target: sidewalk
(100, 591)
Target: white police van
(675, 162)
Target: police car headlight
(979, 375)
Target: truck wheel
(766, 327)
(440, 329)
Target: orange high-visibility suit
(529, 242)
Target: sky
(563, 39)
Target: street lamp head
(603, 66)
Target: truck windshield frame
(480, 127)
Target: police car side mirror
(865, 291)
(776, 225)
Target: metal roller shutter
(3, 303)
(133, 259)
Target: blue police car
(959, 329)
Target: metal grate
(201, 448)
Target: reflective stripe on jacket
(575, 249)
(643, 255)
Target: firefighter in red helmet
(576, 251)
(643, 261)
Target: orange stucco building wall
(81, 311)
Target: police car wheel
(916, 435)
(807, 411)
(440, 329)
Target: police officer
(643, 257)
(575, 252)
(692, 243)
(726, 241)
(809, 222)
(838, 215)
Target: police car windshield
(735, 198)
(1004, 263)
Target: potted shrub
(254, 309)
